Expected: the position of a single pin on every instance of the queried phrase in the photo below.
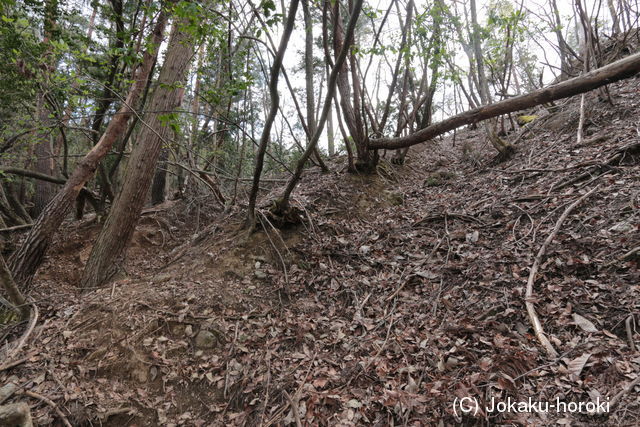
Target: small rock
(260, 274)
(205, 339)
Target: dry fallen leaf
(576, 365)
(584, 324)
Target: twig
(15, 228)
(535, 321)
(51, 403)
(296, 396)
(627, 324)
(630, 254)
(581, 121)
(10, 365)
(231, 349)
(294, 408)
(444, 216)
(615, 399)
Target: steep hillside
(396, 295)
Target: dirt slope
(398, 294)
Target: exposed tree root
(533, 316)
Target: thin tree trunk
(365, 159)
(275, 101)
(110, 247)
(66, 117)
(159, 185)
(25, 261)
(564, 64)
(43, 149)
(282, 205)
(331, 145)
(7, 210)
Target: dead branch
(294, 408)
(50, 403)
(533, 316)
(444, 216)
(629, 328)
(622, 69)
(10, 365)
(15, 228)
(615, 399)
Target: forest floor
(398, 294)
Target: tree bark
(160, 178)
(365, 157)
(619, 70)
(110, 248)
(26, 260)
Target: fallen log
(619, 70)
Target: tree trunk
(503, 147)
(619, 70)
(273, 110)
(44, 160)
(615, 21)
(160, 178)
(331, 145)
(366, 158)
(110, 248)
(282, 206)
(564, 63)
(308, 68)
(26, 260)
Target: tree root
(283, 215)
(533, 316)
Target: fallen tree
(619, 70)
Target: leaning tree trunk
(25, 261)
(273, 111)
(281, 206)
(110, 248)
(622, 69)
